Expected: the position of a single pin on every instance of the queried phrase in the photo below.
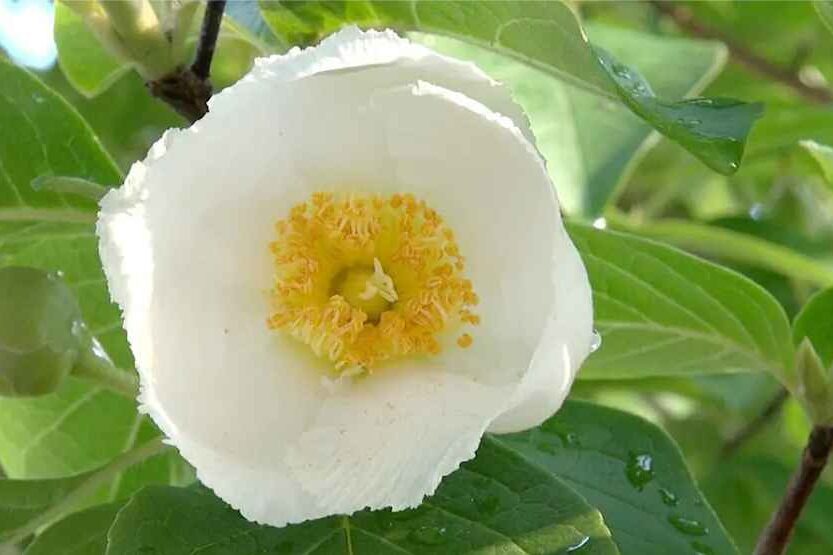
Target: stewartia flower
(341, 277)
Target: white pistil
(379, 284)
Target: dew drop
(640, 469)
(689, 122)
(621, 71)
(38, 99)
(571, 439)
(584, 542)
(428, 535)
(688, 526)
(595, 341)
(701, 549)
(668, 497)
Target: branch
(776, 535)
(685, 20)
(208, 38)
(771, 410)
(187, 90)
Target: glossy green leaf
(64, 433)
(567, 121)
(631, 472)
(82, 533)
(815, 322)
(823, 156)
(663, 312)
(544, 35)
(497, 502)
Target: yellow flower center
(362, 279)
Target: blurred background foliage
(739, 433)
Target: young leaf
(815, 322)
(82, 533)
(547, 36)
(497, 502)
(567, 121)
(86, 64)
(662, 312)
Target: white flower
(342, 276)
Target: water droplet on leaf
(668, 497)
(701, 549)
(640, 469)
(688, 526)
(596, 341)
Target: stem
(776, 535)
(685, 20)
(208, 38)
(730, 245)
(86, 488)
(771, 410)
(187, 90)
(95, 368)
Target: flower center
(370, 290)
(362, 279)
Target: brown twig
(208, 38)
(776, 535)
(187, 90)
(685, 19)
(771, 410)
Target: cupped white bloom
(342, 276)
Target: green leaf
(498, 502)
(544, 35)
(22, 500)
(27, 505)
(825, 10)
(823, 156)
(87, 65)
(82, 533)
(81, 427)
(815, 322)
(632, 472)
(567, 121)
(735, 245)
(92, 69)
(661, 311)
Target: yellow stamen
(363, 279)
